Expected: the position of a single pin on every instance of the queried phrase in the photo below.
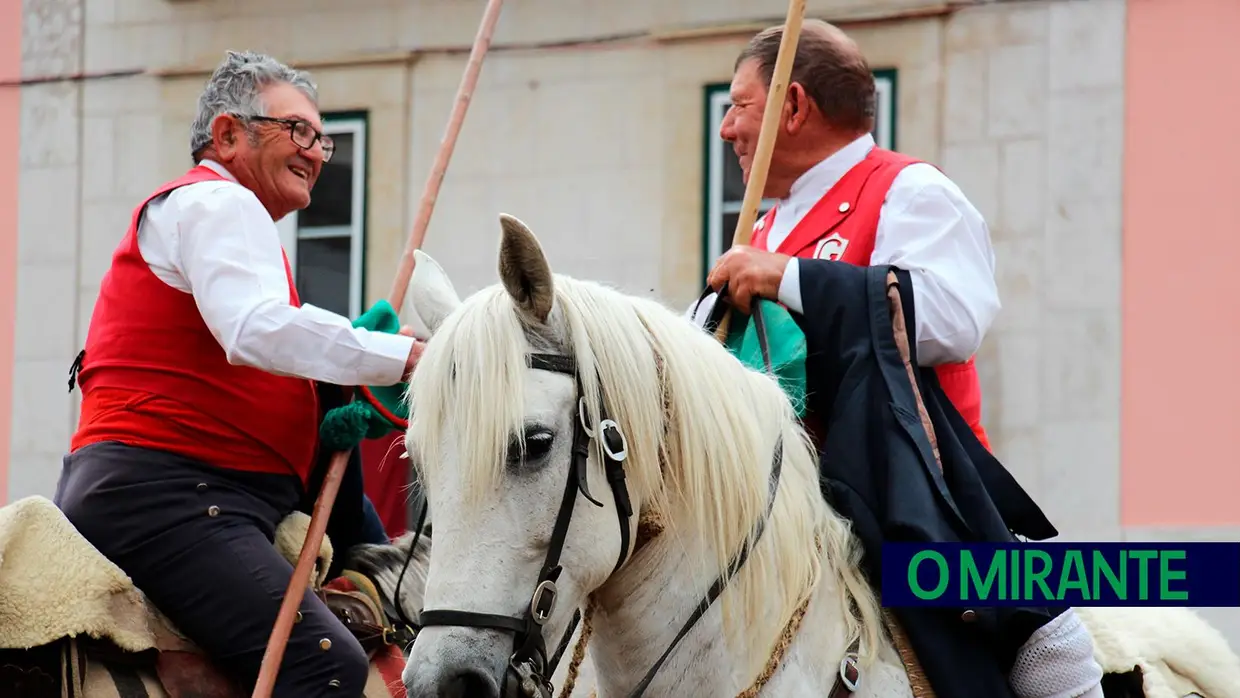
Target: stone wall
(599, 148)
(1033, 131)
(49, 249)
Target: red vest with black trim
(843, 226)
(154, 376)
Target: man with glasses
(203, 386)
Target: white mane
(701, 430)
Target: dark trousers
(197, 540)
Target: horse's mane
(701, 430)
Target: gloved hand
(346, 426)
(1057, 661)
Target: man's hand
(748, 272)
(415, 353)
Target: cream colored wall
(600, 148)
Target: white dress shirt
(216, 241)
(927, 227)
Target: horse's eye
(538, 444)
(534, 445)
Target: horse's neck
(640, 611)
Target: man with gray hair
(201, 386)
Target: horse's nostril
(471, 683)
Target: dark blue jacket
(880, 471)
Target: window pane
(728, 230)
(323, 272)
(331, 200)
(733, 177)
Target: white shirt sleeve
(930, 229)
(216, 241)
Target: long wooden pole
(482, 42)
(300, 580)
(776, 93)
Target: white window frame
(716, 207)
(290, 234)
(718, 100)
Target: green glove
(787, 345)
(344, 427)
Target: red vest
(843, 226)
(153, 376)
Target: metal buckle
(530, 681)
(623, 453)
(545, 587)
(581, 415)
(850, 660)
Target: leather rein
(529, 668)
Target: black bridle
(529, 656)
(529, 668)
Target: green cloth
(786, 342)
(344, 427)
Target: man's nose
(315, 153)
(727, 129)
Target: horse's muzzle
(465, 682)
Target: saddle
(355, 600)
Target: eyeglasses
(303, 134)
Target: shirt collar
(818, 180)
(217, 168)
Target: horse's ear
(524, 270)
(430, 297)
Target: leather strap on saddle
(355, 600)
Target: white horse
(693, 441)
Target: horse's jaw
(637, 615)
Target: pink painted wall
(1181, 347)
(10, 159)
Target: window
(725, 188)
(325, 241)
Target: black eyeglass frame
(329, 145)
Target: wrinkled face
(487, 556)
(743, 121)
(270, 162)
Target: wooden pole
(297, 586)
(300, 580)
(776, 93)
(482, 42)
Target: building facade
(1106, 377)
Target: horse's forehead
(546, 393)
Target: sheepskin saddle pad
(60, 597)
(1161, 652)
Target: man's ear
(226, 134)
(797, 108)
